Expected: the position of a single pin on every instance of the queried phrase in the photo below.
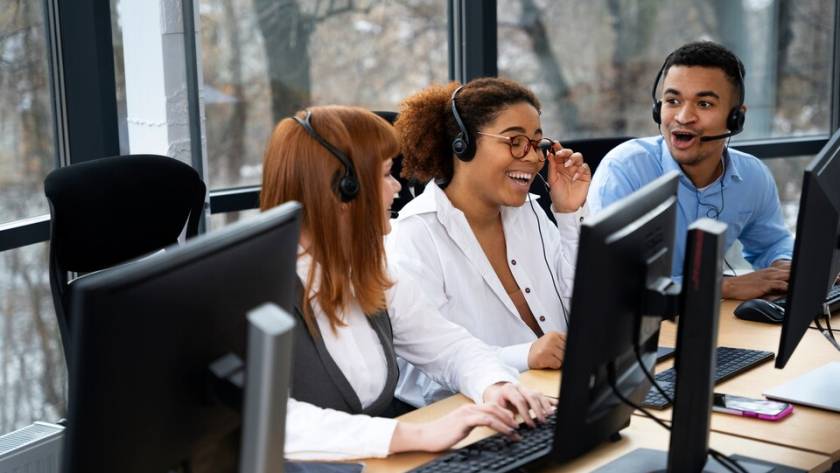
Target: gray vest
(316, 378)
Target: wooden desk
(642, 433)
(807, 428)
(808, 439)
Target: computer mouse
(760, 310)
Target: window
(593, 64)
(26, 124)
(263, 60)
(788, 175)
(33, 377)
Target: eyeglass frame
(532, 144)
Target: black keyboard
(497, 453)
(730, 361)
(832, 299)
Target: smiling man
(699, 106)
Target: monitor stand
(648, 460)
(817, 388)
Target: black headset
(462, 145)
(735, 119)
(346, 186)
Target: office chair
(593, 151)
(108, 211)
(410, 187)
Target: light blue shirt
(745, 198)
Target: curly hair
(426, 126)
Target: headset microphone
(720, 137)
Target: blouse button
(527, 290)
(542, 318)
(513, 262)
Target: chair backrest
(111, 210)
(593, 151)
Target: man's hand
(547, 352)
(781, 264)
(758, 283)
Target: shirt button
(513, 262)
(542, 318)
(527, 290)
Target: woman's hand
(568, 179)
(502, 400)
(520, 400)
(546, 353)
(450, 429)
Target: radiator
(33, 449)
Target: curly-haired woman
(486, 256)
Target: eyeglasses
(521, 145)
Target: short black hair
(709, 54)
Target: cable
(547, 265)
(813, 327)
(649, 375)
(728, 463)
(611, 380)
(725, 461)
(729, 266)
(827, 332)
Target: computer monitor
(146, 333)
(816, 251)
(622, 291)
(624, 255)
(816, 262)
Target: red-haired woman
(356, 316)
(486, 256)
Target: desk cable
(728, 463)
(827, 332)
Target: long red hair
(350, 261)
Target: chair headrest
(114, 209)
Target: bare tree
(533, 25)
(239, 117)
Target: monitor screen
(816, 251)
(624, 250)
(146, 333)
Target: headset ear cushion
(348, 187)
(656, 112)
(735, 120)
(459, 146)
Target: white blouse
(443, 350)
(432, 242)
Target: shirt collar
(433, 199)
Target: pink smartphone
(759, 408)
